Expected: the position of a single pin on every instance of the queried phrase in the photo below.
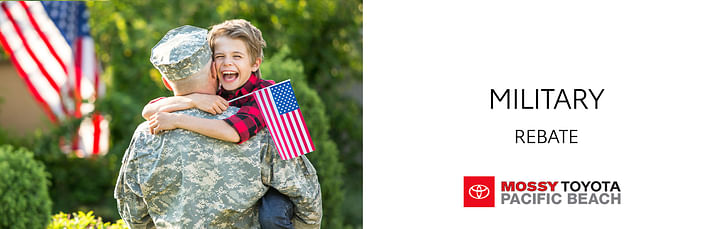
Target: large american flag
(50, 45)
(284, 120)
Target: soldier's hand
(212, 104)
(162, 121)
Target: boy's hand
(212, 104)
(162, 121)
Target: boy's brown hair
(243, 30)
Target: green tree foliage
(24, 199)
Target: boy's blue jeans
(275, 210)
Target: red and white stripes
(63, 78)
(44, 76)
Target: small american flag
(50, 45)
(284, 120)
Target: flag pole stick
(237, 98)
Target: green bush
(82, 220)
(24, 199)
(76, 184)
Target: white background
(428, 70)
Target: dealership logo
(479, 191)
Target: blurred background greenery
(317, 44)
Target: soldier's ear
(213, 71)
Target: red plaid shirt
(248, 120)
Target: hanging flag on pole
(51, 48)
(284, 120)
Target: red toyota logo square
(478, 191)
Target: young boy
(237, 54)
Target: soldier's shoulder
(142, 130)
(144, 126)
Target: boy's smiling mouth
(229, 76)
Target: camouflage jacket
(180, 179)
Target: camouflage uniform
(180, 179)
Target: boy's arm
(165, 105)
(247, 121)
(209, 127)
(212, 104)
(237, 128)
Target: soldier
(181, 179)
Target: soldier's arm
(133, 211)
(131, 207)
(297, 179)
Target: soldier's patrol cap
(181, 53)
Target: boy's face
(232, 62)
